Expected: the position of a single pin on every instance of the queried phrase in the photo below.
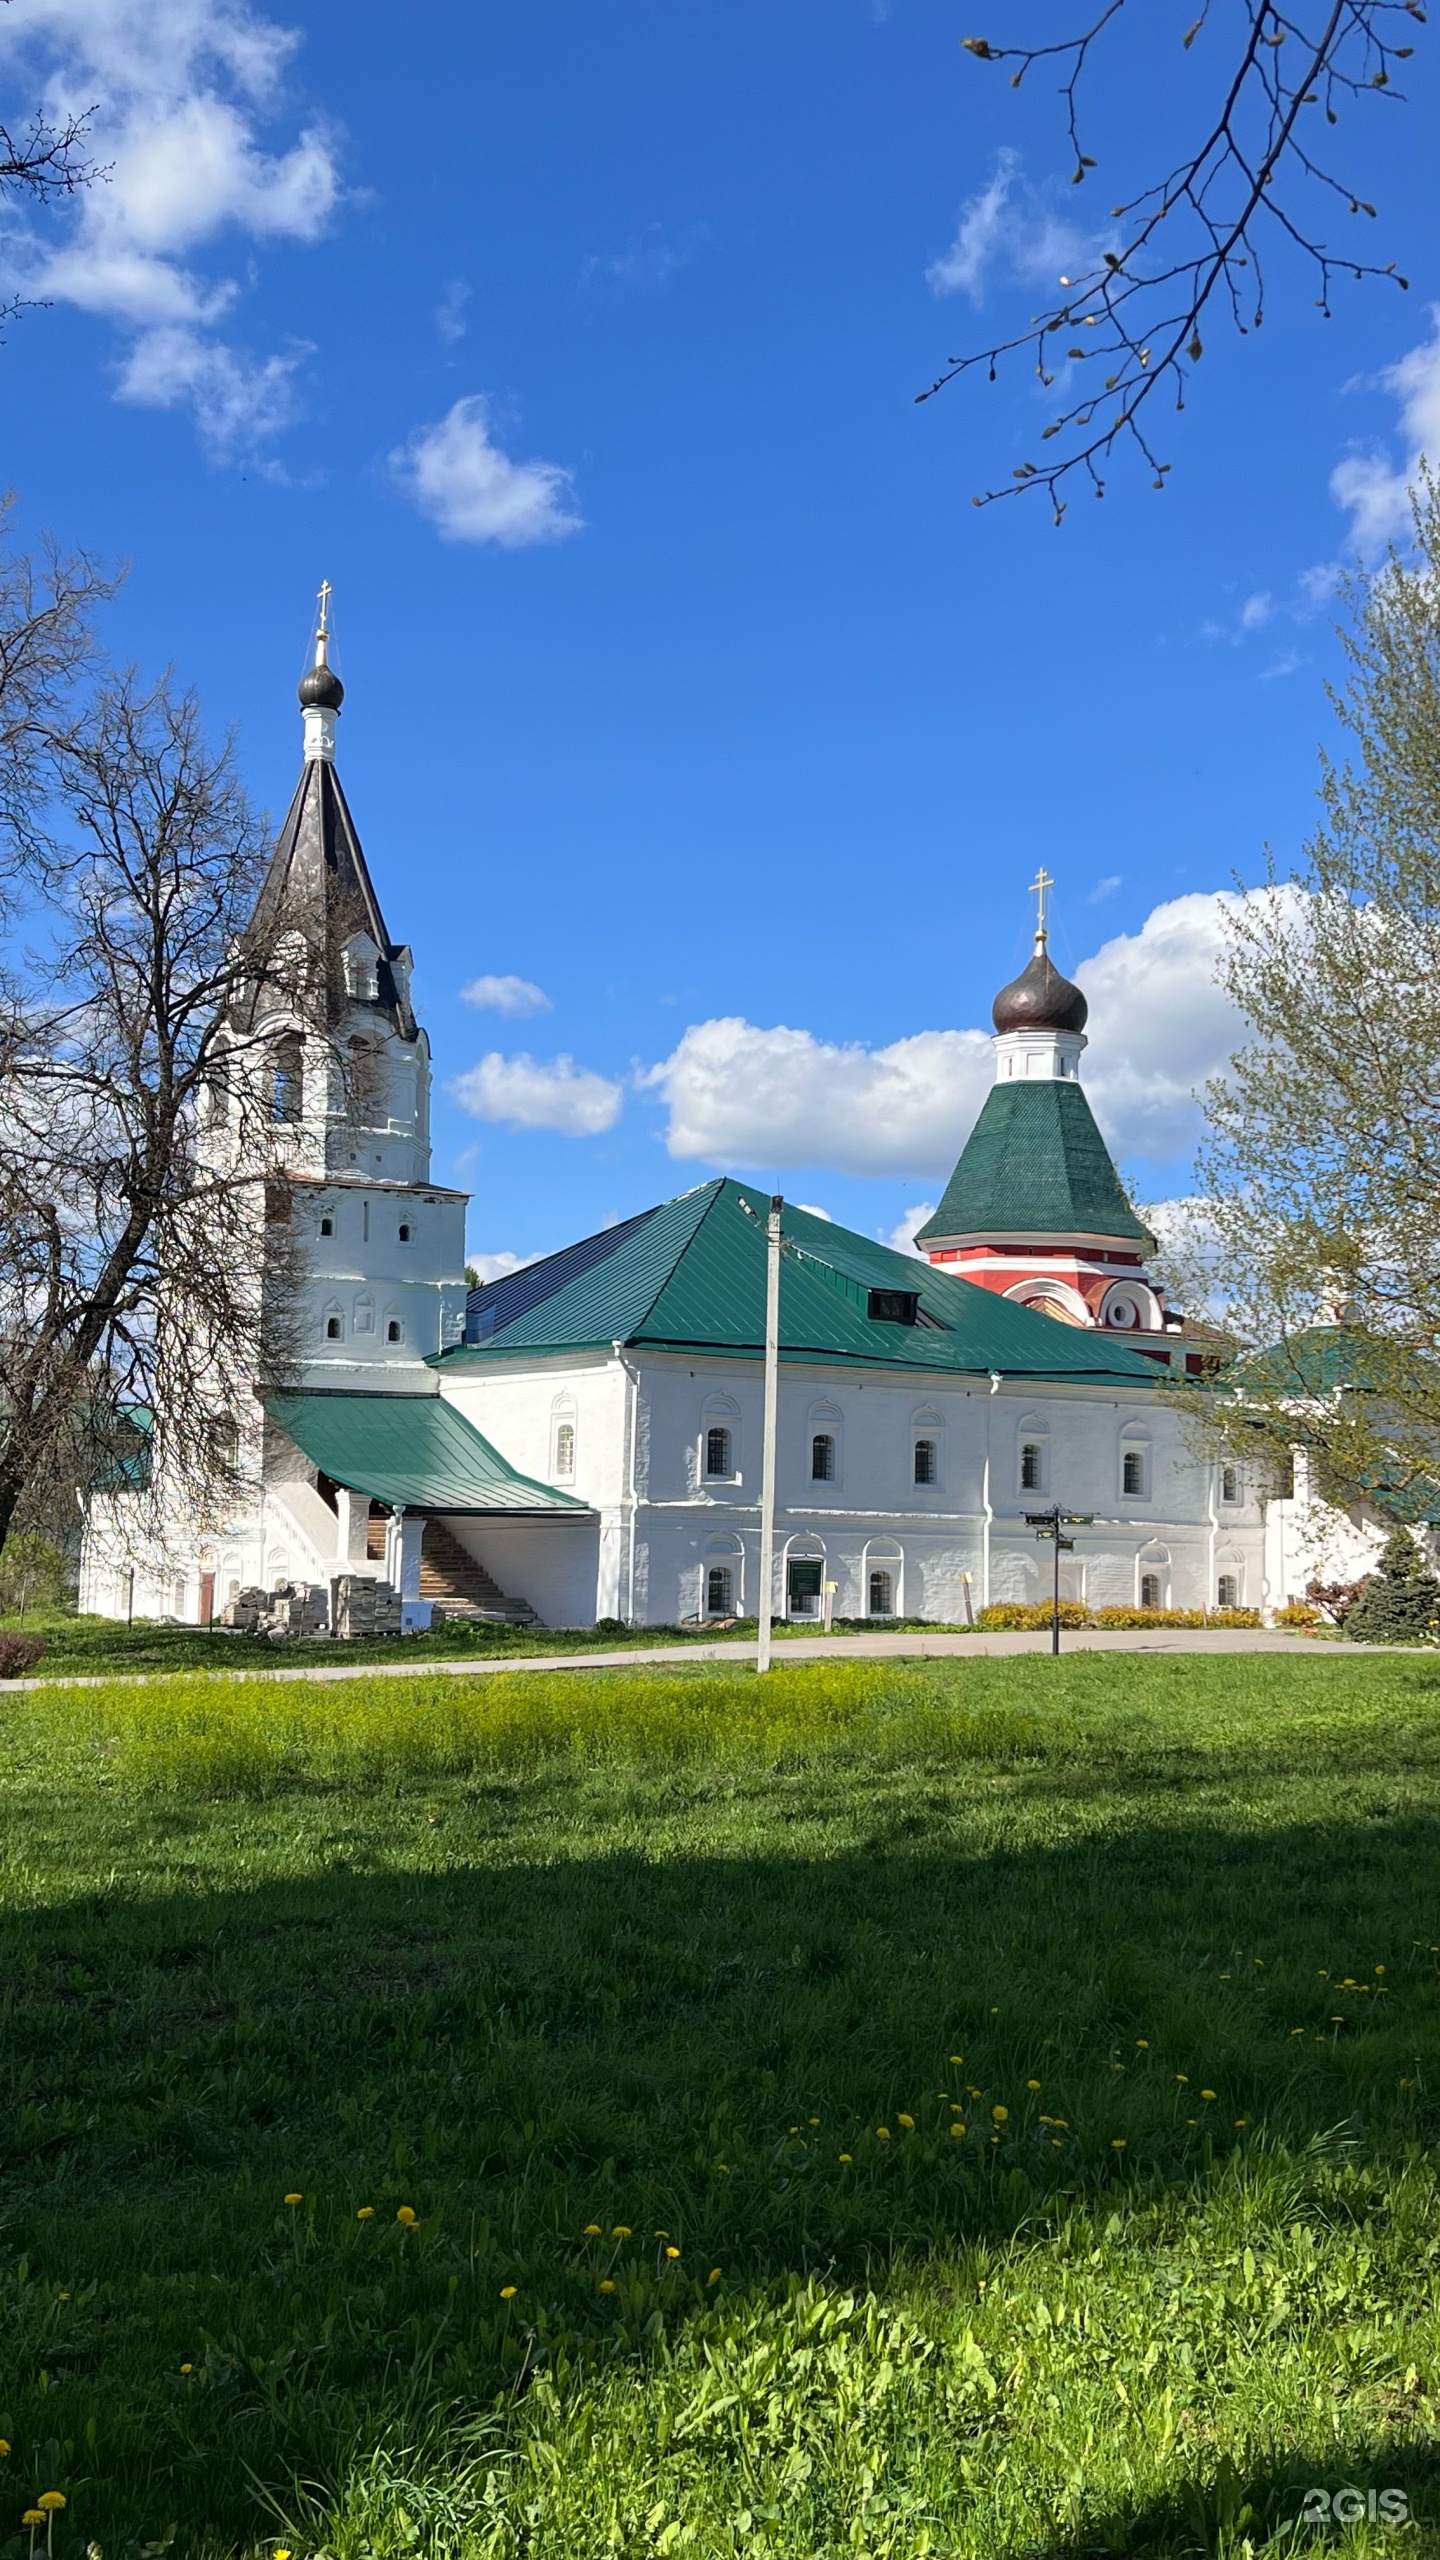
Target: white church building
(580, 1440)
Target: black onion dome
(321, 690)
(1040, 1000)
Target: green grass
(655, 1950)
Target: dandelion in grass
(406, 2213)
(1207, 2093)
(1184, 2079)
(662, 2235)
(1240, 2123)
(882, 2133)
(1142, 2044)
(907, 2121)
(1032, 2084)
(32, 2517)
(714, 2276)
(957, 2133)
(999, 2115)
(52, 2500)
(812, 2119)
(846, 2158)
(507, 2293)
(672, 2251)
(4, 2447)
(281, 2554)
(607, 2284)
(1119, 2143)
(187, 2368)
(364, 2213)
(592, 2230)
(621, 2231)
(957, 2059)
(295, 2197)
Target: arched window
(394, 1330)
(361, 969)
(719, 1591)
(404, 1231)
(1230, 1491)
(1132, 1471)
(287, 1092)
(926, 1469)
(1032, 1466)
(1151, 1589)
(719, 1451)
(882, 1593)
(327, 1226)
(822, 1458)
(1227, 1591)
(334, 1325)
(565, 1449)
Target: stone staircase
(453, 1580)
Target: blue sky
(685, 685)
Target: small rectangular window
(1227, 1594)
(1030, 1466)
(925, 1469)
(882, 1595)
(565, 1449)
(1229, 1484)
(1150, 1591)
(719, 1592)
(822, 1459)
(894, 1306)
(1132, 1471)
(327, 1226)
(718, 1451)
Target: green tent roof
(410, 1452)
(690, 1276)
(1035, 1164)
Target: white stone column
(403, 1536)
(353, 1511)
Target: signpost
(1053, 1524)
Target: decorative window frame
(563, 1417)
(728, 1552)
(719, 1412)
(1135, 1442)
(825, 1418)
(1032, 1431)
(883, 1555)
(1153, 1558)
(927, 1424)
(332, 1322)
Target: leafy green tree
(1322, 1168)
(35, 1577)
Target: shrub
(33, 1575)
(1232, 1618)
(1016, 1614)
(1298, 1613)
(18, 1654)
(1135, 1617)
(1400, 1604)
(1337, 1599)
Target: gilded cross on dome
(1038, 886)
(326, 592)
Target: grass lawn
(525, 2117)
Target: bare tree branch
(1196, 236)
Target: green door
(804, 1586)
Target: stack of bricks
(362, 1607)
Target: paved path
(902, 1645)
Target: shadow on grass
(1296, 2503)
(522, 2050)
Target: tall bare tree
(139, 1273)
(1323, 1166)
(1194, 239)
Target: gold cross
(326, 591)
(1038, 886)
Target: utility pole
(1053, 1524)
(772, 1398)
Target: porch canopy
(412, 1453)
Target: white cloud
(506, 995)
(534, 1093)
(812, 1210)
(901, 1238)
(743, 1096)
(1373, 492)
(1008, 228)
(497, 1266)
(1104, 889)
(473, 492)
(450, 321)
(184, 86)
(651, 257)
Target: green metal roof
(1035, 1164)
(690, 1276)
(412, 1452)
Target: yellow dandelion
(999, 2115)
(882, 2133)
(957, 2058)
(280, 2555)
(812, 2119)
(723, 2168)
(607, 2284)
(1032, 2084)
(592, 2230)
(1142, 2044)
(1119, 2143)
(33, 2515)
(406, 2213)
(957, 2132)
(4, 2447)
(295, 2197)
(994, 2013)
(364, 2213)
(907, 2121)
(1184, 2079)
(52, 2500)
(507, 2293)
(1379, 1968)
(620, 2231)
(187, 2368)
(955, 2107)
(1207, 2093)
(1240, 2123)
(1055, 2142)
(661, 2235)
(845, 2159)
(714, 2276)
(672, 2251)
